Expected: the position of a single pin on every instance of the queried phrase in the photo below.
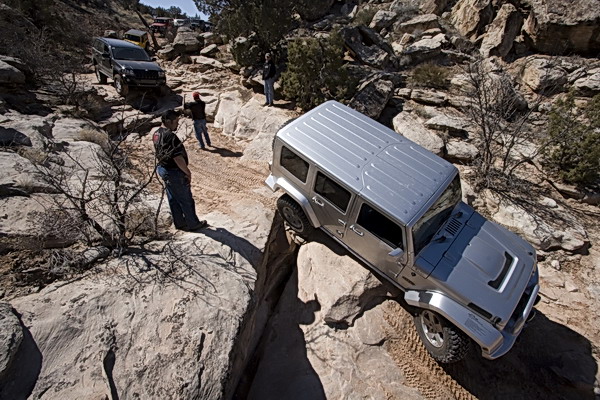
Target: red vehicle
(161, 25)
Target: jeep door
(331, 203)
(106, 61)
(377, 239)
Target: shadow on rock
(281, 369)
(237, 244)
(225, 152)
(549, 361)
(24, 373)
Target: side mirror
(153, 59)
(397, 252)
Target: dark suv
(127, 64)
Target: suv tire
(446, 343)
(99, 75)
(121, 87)
(295, 217)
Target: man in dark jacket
(172, 167)
(197, 108)
(269, 72)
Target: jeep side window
(380, 226)
(333, 192)
(294, 164)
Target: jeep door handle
(359, 233)
(318, 202)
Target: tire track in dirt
(220, 177)
(420, 370)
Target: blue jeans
(269, 90)
(200, 128)
(179, 194)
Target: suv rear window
(294, 164)
(333, 192)
(380, 226)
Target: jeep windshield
(130, 53)
(436, 216)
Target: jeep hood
(144, 65)
(479, 262)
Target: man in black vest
(172, 167)
(269, 72)
(197, 107)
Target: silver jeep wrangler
(398, 208)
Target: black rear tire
(295, 217)
(445, 342)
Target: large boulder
(501, 33)
(433, 6)
(382, 19)
(470, 17)
(11, 336)
(331, 321)
(253, 119)
(211, 38)
(459, 151)
(424, 49)
(34, 130)
(372, 97)
(10, 75)
(209, 50)
(157, 326)
(451, 125)
(557, 229)
(542, 74)
(227, 113)
(203, 64)
(188, 41)
(343, 295)
(589, 85)
(413, 129)
(418, 24)
(368, 47)
(560, 27)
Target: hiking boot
(198, 226)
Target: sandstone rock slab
(413, 129)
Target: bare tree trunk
(154, 41)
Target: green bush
(431, 76)
(574, 134)
(316, 71)
(364, 16)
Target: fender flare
(481, 331)
(290, 190)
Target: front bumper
(494, 343)
(135, 81)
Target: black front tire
(121, 87)
(99, 75)
(295, 217)
(445, 342)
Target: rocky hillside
(244, 309)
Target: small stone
(571, 288)
(555, 264)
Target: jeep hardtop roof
(386, 168)
(135, 32)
